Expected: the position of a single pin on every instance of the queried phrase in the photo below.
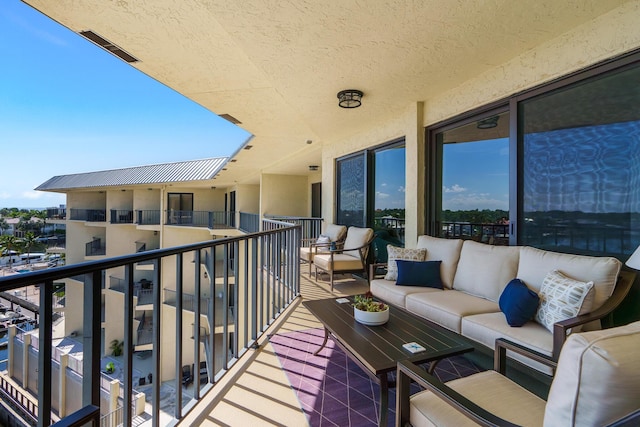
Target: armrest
(500, 355)
(561, 329)
(373, 267)
(407, 372)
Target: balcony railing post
(128, 340)
(44, 354)
(178, 366)
(157, 303)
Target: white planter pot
(371, 318)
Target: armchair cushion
(419, 273)
(395, 253)
(518, 303)
(357, 238)
(340, 262)
(490, 390)
(598, 378)
(335, 232)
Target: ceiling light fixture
(489, 123)
(350, 98)
(313, 167)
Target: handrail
(260, 278)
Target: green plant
(367, 303)
(116, 347)
(110, 368)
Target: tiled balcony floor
(258, 392)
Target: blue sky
(476, 175)
(67, 106)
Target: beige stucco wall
(284, 195)
(247, 198)
(608, 36)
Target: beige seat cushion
(388, 291)
(306, 254)
(485, 270)
(486, 328)
(489, 390)
(447, 307)
(445, 250)
(340, 262)
(597, 379)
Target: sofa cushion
(488, 389)
(395, 253)
(484, 270)
(562, 298)
(445, 250)
(598, 378)
(416, 273)
(388, 291)
(486, 328)
(518, 303)
(446, 308)
(534, 265)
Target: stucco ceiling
(277, 66)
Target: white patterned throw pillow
(395, 253)
(562, 298)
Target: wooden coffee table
(377, 349)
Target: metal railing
(90, 215)
(264, 278)
(311, 227)
(249, 222)
(95, 248)
(19, 401)
(121, 216)
(148, 217)
(56, 213)
(495, 234)
(209, 219)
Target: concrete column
(11, 349)
(114, 392)
(62, 385)
(25, 361)
(140, 400)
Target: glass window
(351, 190)
(473, 199)
(389, 189)
(581, 166)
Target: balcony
(268, 284)
(57, 213)
(95, 247)
(121, 216)
(209, 219)
(89, 215)
(148, 217)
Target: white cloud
(4, 195)
(455, 188)
(33, 195)
(401, 189)
(381, 195)
(474, 201)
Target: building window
(567, 165)
(180, 208)
(351, 192)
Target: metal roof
(193, 170)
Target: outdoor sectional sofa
(473, 277)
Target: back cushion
(485, 270)
(598, 378)
(445, 250)
(357, 237)
(335, 232)
(603, 271)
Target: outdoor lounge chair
(351, 257)
(310, 247)
(597, 383)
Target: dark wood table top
(379, 348)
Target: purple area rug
(333, 390)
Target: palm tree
(4, 226)
(29, 241)
(10, 243)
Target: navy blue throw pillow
(518, 303)
(419, 273)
